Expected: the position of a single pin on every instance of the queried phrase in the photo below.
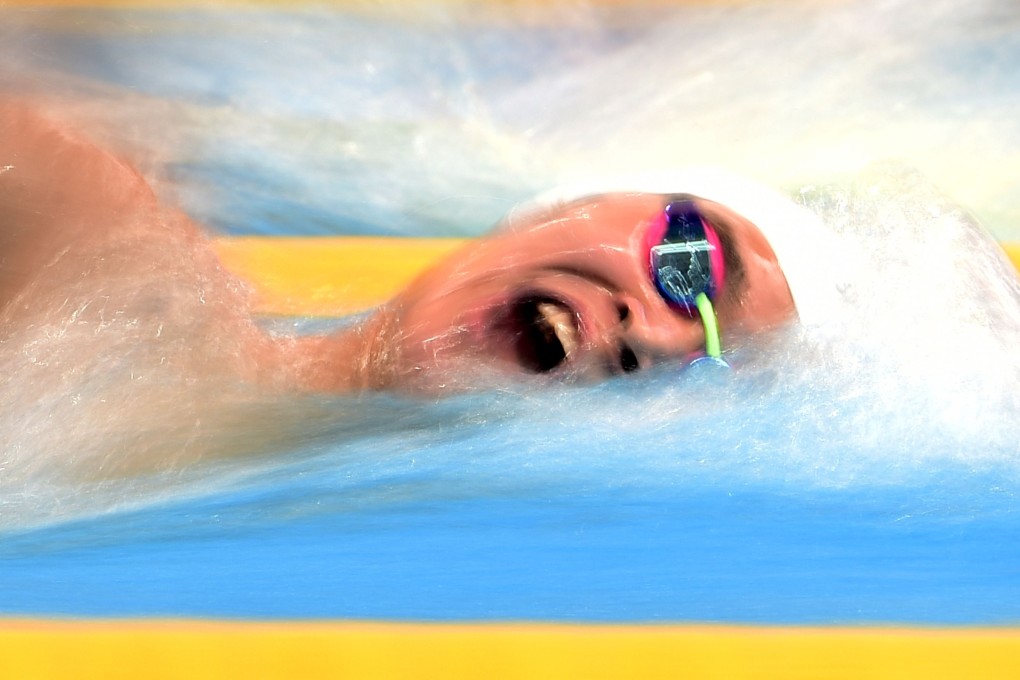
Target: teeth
(561, 321)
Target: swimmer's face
(567, 293)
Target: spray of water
(115, 394)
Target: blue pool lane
(630, 555)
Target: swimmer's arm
(59, 193)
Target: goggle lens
(684, 256)
(687, 266)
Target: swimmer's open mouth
(543, 332)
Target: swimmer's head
(563, 288)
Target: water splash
(442, 137)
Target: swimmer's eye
(546, 333)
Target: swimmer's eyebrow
(735, 272)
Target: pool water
(630, 502)
(870, 476)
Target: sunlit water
(867, 473)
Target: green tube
(713, 347)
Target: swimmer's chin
(455, 369)
(524, 337)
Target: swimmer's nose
(654, 332)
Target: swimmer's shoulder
(50, 167)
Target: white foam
(918, 375)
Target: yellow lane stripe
(1013, 251)
(197, 649)
(330, 276)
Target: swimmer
(573, 287)
(568, 287)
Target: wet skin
(568, 293)
(564, 293)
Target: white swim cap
(807, 252)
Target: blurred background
(435, 117)
(810, 488)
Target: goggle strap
(713, 347)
